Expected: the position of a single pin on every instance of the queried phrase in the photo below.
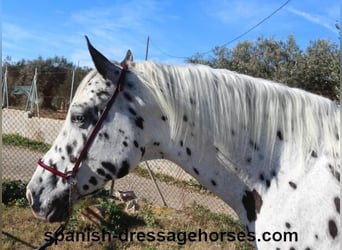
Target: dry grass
(20, 223)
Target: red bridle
(72, 174)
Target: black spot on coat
(53, 180)
(109, 166)
(69, 149)
(252, 202)
(337, 204)
(132, 111)
(313, 154)
(142, 150)
(188, 151)
(93, 181)
(139, 121)
(123, 170)
(106, 136)
(268, 183)
(332, 228)
(280, 135)
(292, 184)
(254, 145)
(102, 93)
(100, 171)
(84, 138)
(128, 97)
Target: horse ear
(128, 58)
(102, 64)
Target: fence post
(155, 183)
(5, 90)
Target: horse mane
(222, 107)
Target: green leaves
(14, 191)
(17, 140)
(316, 69)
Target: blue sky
(178, 28)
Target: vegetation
(20, 141)
(13, 192)
(316, 69)
(53, 81)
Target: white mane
(217, 103)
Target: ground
(26, 232)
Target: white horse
(269, 151)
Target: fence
(174, 184)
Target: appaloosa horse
(269, 151)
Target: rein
(70, 176)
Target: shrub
(13, 191)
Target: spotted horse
(269, 151)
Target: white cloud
(320, 20)
(118, 27)
(113, 29)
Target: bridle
(70, 176)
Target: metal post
(33, 95)
(72, 85)
(36, 98)
(29, 96)
(155, 183)
(111, 188)
(5, 90)
(72, 82)
(147, 45)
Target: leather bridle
(71, 175)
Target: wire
(165, 53)
(233, 40)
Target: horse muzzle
(56, 210)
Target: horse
(269, 151)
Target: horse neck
(227, 176)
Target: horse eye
(77, 118)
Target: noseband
(70, 175)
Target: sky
(177, 29)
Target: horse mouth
(39, 215)
(55, 215)
(51, 216)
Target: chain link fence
(161, 182)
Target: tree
(316, 69)
(321, 71)
(54, 78)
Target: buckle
(72, 180)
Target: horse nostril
(29, 196)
